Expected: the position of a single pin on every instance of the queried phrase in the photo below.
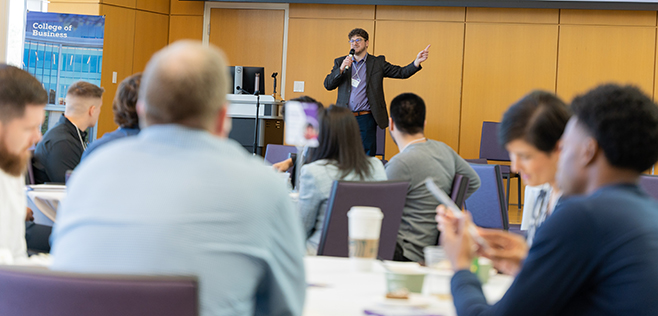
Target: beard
(11, 163)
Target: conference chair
(389, 196)
(28, 291)
(277, 153)
(459, 187)
(381, 144)
(458, 193)
(29, 179)
(650, 185)
(490, 149)
(488, 204)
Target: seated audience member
(285, 165)
(597, 253)
(62, 146)
(418, 159)
(182, 198)
(125, 114)
(22, 103)
(530, 131)
(339, 156)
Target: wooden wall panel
(438, 83)
(543, 16)
(591, 55)
(121, 3)
(151, 35)
(185, 27)
(186, 7)
(608, 17)
(502, 62)
(313, 44)
(159, 6)
(250, 38)
(414, 13)
(331, 11)
(117, 57)
(74, 8)
(71, 1)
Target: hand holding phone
(456, 211)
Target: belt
(359, 113)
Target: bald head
(184, 83)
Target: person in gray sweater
(418, 159)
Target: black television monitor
(249, 79)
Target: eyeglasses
(356, 40)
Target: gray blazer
(377, 68)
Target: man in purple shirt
(359, 80)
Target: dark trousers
(37, 237)
(368, 129)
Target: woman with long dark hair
(339, 156)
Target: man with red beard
(22, 103)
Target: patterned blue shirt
(358, 97)
(180, 201)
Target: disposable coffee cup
(436, 258)
(364, 225)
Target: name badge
(355, 82)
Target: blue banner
(70, 29)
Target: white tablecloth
(335, 290)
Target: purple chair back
(478, 161)
(30, 169)
(381, 142)
(489, 147)
(37, 291)
(277, 153)
(459, 188)
(458, 193)
(488, 204)
(650, 185)
(389, 196)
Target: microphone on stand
(257, 84)
(351, 55)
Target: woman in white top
(530, 131)
(339, 156)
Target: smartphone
(457, 212)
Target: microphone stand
(257, 94)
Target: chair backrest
(458, 193)
(277, 153)
(488, 204)
(481, 161)
(37, 291)
(489, 146)
(30, 169)
(650, 185)
(381, 142)
(389, 196)
(459, 188)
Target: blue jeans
(368, 129)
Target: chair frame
(503, 206)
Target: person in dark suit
(359, 80)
